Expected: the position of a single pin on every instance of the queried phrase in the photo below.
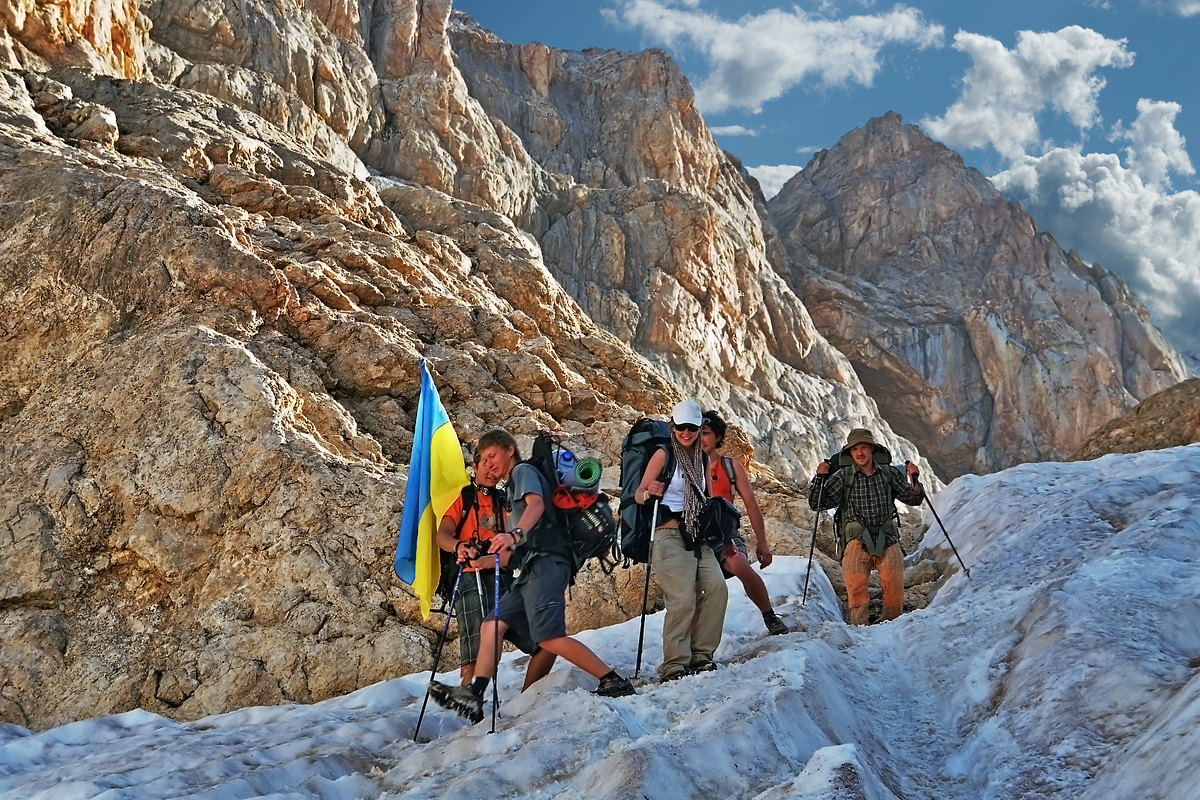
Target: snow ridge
(1063, 668)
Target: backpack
(644, 438)
(584, 519)
(841, 460)
(719, 520)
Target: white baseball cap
(687, 412)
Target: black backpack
(644, 438)
(590, 531)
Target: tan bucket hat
(860, 436)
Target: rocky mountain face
(228, 235)
(654, 232)
(1170, 418)
(979, 337)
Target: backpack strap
(727, 465)
(470, 498)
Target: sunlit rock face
(980, 338)
(208, 374)
(1170, 418)
(658, 236)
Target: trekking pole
(916, 483)
(437, 658)
(496, 626)
(812, 546)
(646, 591)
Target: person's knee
(738, 564)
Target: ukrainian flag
(436, 477)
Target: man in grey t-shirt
(533, 610)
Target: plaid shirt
(868, 501)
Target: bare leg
(540, 664)
(491, 633)
(577, 653)
(752, 582)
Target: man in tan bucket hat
(864, 486)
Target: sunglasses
(687, 428)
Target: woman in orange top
(732, 554)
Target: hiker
(870, 530)
(467, 535)
(726, 477)
(532, 613)
(689, 575)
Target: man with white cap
(865, 491)
(688, 572)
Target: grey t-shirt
(522, 481)
(544, 537)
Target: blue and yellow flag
(436, 477)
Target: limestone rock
(208, 345)
(656, 234)
(1170, 418)
(990, 344)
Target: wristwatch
(517, 534)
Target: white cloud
(760, 57)
(772, 178)
(1004, 90)
(1123, 216)
(733, 130)
(1184, 8)
(1157, 147)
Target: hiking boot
(774, 624)
(675, 675)
(703, 665)
(616, 686)
(459, 699)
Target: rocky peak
(982, 340)
(654, 232)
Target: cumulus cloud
(1157, 148)
(772, 178)
(761, 56)
(1004, 90)
(1184, 8)
(1124, 216)
(733, 130)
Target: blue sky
(1083, 110)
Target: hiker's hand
(654, 489)
(913, 476)
(502, 541)
(823, 468)
(763, 551)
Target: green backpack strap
(840, 520)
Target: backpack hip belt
(875, 538)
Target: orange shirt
(481, 520)
(720, 484)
